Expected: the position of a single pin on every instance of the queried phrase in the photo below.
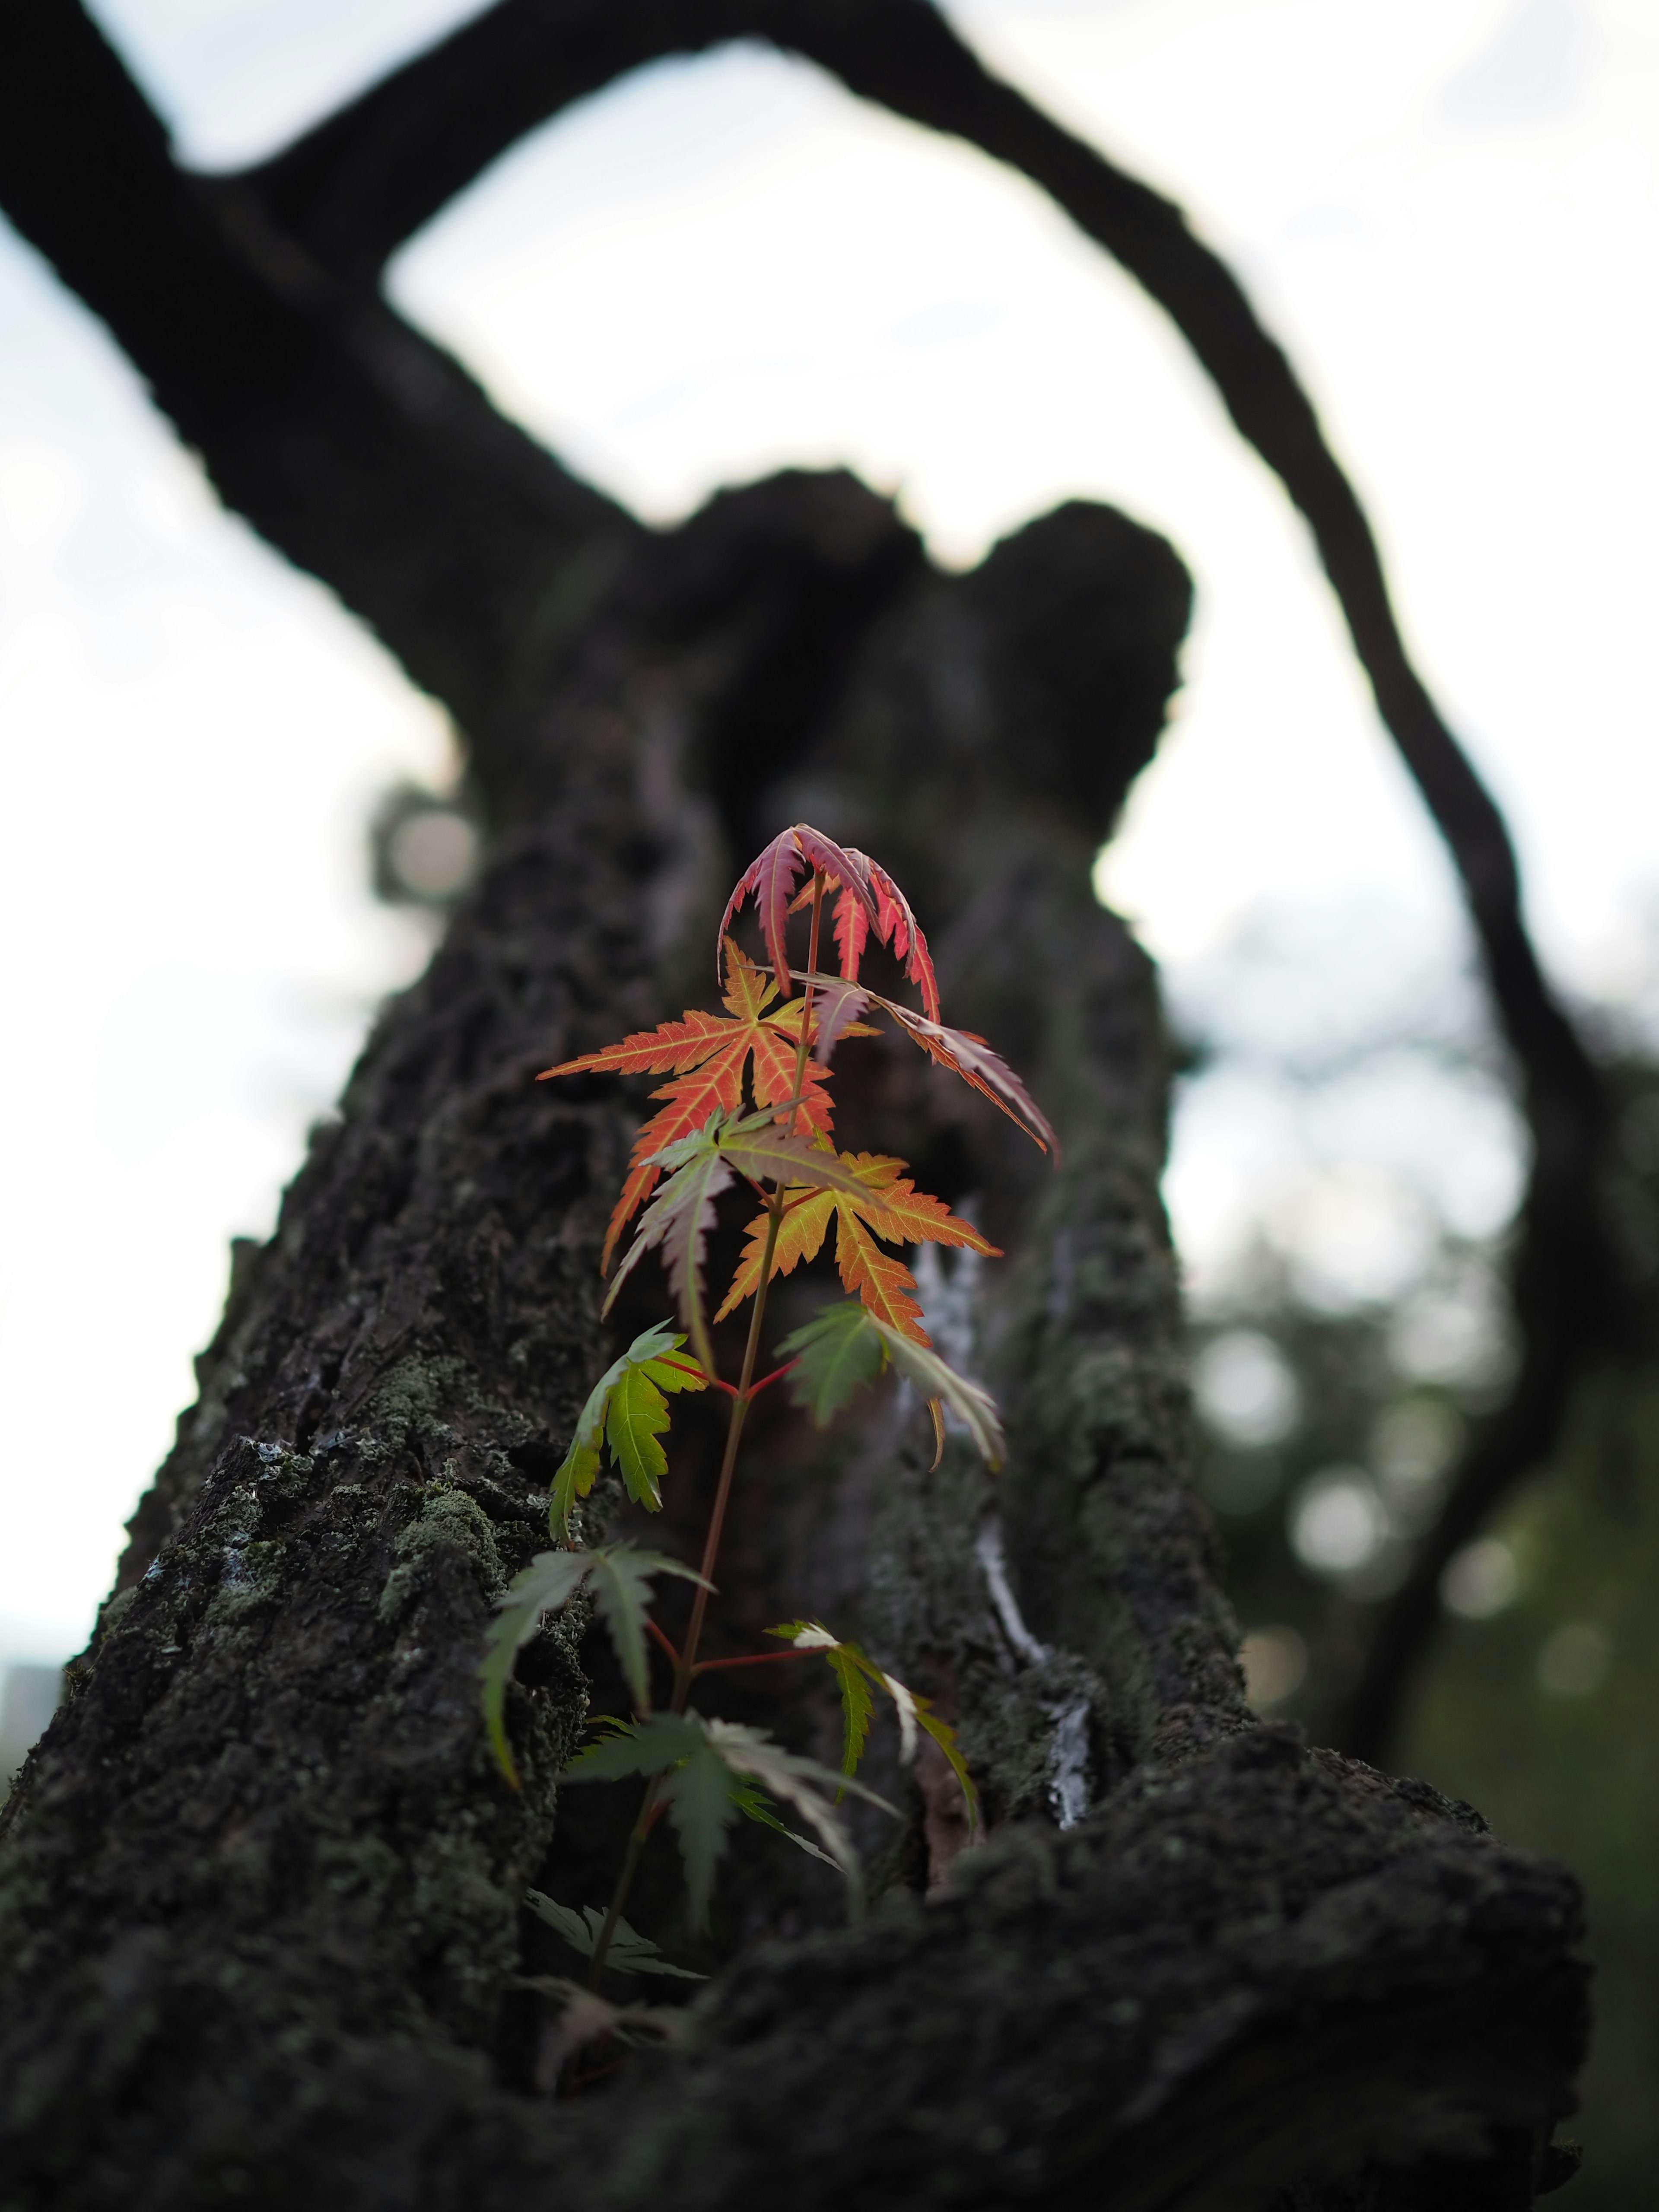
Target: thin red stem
(750, 1659)
(745, 1381)
(777, 1376)
(723, 1488)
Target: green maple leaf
(755, 1805)
(650, 1745)
(837, 1356)
(857, 1707)
(751, 1755)
(630, 1952)
(856, 1674)
(622, 1580)
(700, 1803)
(678, 1219)
(697, 1787)
(626, 1409)
(945, 1737)
(619, 1575)
(710, 1769)
(845, 1347)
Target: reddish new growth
(784, 1046)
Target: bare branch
(362, 451)
(360, 184)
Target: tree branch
(363, 181)
(340, 434)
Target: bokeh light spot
(1480, 1580)
(1574, 1661)
(1245, 1389)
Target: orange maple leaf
(894, 1208)
(708, 1054)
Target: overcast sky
(1448, 210)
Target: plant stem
(728, 1467)
(686, 1668)
(637, 1835)
(751, 1349)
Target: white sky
(1448, 210)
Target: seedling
(748, 1103)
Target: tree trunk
(261, 1886)
(261, 1935)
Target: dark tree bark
(259, 1888)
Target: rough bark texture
(259, 1887)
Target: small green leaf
(551, 1579)
(855, 1672)
(945, 1737)
(680, 1219)
(699, 1806)
(619, 1575)
(707, 1765)
(766, 1154)
(683, 1149)
(752, 1754)
(630, 1952)
(837, 1355)
(857, 1706)
(647, 1368)
(698, 1790)
(622, 1578)
(650, 1745)
(637, 1416)
(575, 1479)
(562, 1921)
(755, 1805)
(847, 1347)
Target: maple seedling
(748, 1102)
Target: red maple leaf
(707, 1055)
(887, 1202)
(895, 926)
(771, 877)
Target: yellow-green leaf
(855, 1672)
(652, 1364)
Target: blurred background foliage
(1331, 1408)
